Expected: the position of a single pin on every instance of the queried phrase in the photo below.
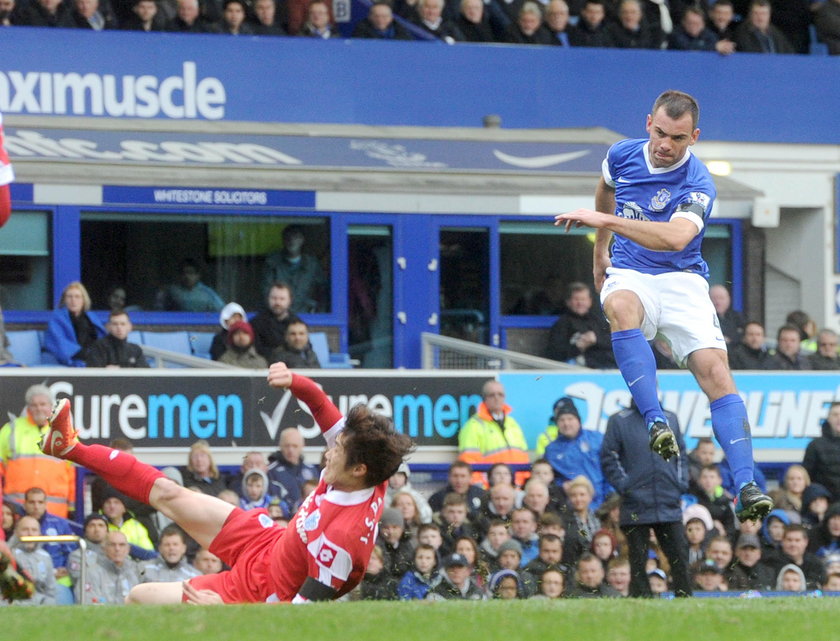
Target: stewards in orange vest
(25, 466)
(491, 435)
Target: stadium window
(143, 252)
(26, 261)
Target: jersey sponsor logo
(333, 559)
(700, 198)
(632, 211)
(326, 555)
(660, 200)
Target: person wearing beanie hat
(96, 527)
(240, 351)
(815, 500)
(749, 572)
(231, 313)
(296, 350)
(121, 520)
(510, 555)
(574, 451)
(395, 541)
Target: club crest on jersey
(662, 198)
(632, 211)
(312, 521)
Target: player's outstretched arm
(326, 414)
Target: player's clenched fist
(279, 375)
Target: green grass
(800, 619)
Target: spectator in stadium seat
(497, 533)
(201, 471)
(172, 564)
(430, 18)
(458, 481)
(7, 8)
(815, 500)
(632, 31)
(121, 520)
(699, 530)
(794, 551)
(87, 15)
(691, 34)
(793, 18)
(506, 584)
(757, 35)
(270, 323)
(707, 576)
(146, 17)
(499, 507)
(574, 451)
(807, 327)
(296, 350)
(467, 547)
(711, 495)
(473, 22)
(536, 497)
(618, 575)
(235, 19)
(528, 28)
(395, 542)
(750, 352)
(731, 321)
(581, 523)
(265, 22)
(188, 19)
(581, 334)
(822, 456)
(399, 483)
(254, 492)
(380, 24)
(793, 485)
(318, 23)
(748, 572)
(33, 560)
(542, 471)
(787, 355)
(720, 551)
(523, 529)
(111, 578)
(206, 562)
(591, 28)
(231, 313)
(96, 528)
(288, 461)
(113, 350)
(792, 579)
(826, 356)
(453, 521)
(422, 577)
(188, 294)
(827, 21)
(72, 328)
(240, 351)
(44, 13)
(300, 272)
(549, 557)
(589, 579)
(825, 538)
(457, 582)
(378, 584)
(11, 514)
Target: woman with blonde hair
(72, 328)
(794, 484)
(201, 472)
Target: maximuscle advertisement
(170, 408)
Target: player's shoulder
(624, 149)
(699, 177)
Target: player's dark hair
(676, 104)
(370, 439)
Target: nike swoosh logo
(622, 180)
(538, 162)
(732, 441)
(635, 380)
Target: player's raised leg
(732, 429)
(201, 515)
(637, 365)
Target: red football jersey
(6, 173)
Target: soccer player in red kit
(324, 551)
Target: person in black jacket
(822, 456)
(529, 28)
(581, 334)
(113, 349)
(751, 352)
(591, 28)
(44, 13)
(757, 35)
(380, 24)
(651, 490)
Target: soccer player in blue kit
(654, 198)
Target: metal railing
(66, 538)
(163, 356)
(444, 352)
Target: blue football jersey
(645, 192)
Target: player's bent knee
(165, 490)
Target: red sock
(120, 469)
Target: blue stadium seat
(173, 341)
(200, 343)
(25, 346)
(136, 337)
(327, 360)
(816, 48)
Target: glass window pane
(26, 262)
(464, 283)
(236, 258)
(370, 295)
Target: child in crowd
(552, 585)
(417, 582)
(698, 527)
(510, 555)
(255, 490)
(497, 534)
(714, 498)
(453, 521)
(468, 548)
(395, 542)
(658, 581)
(791, 579)
(618, 575)
(603, 546)
(506, 584)
(378, 584)
(707, 576)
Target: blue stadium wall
(744, 97)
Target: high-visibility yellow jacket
(25, 466)
(482, 440)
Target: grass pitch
(761, 619)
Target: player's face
(669, 138)
(336, 471)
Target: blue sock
(732, 431)
(638, 367)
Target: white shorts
(677, 307)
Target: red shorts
(245, 543)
